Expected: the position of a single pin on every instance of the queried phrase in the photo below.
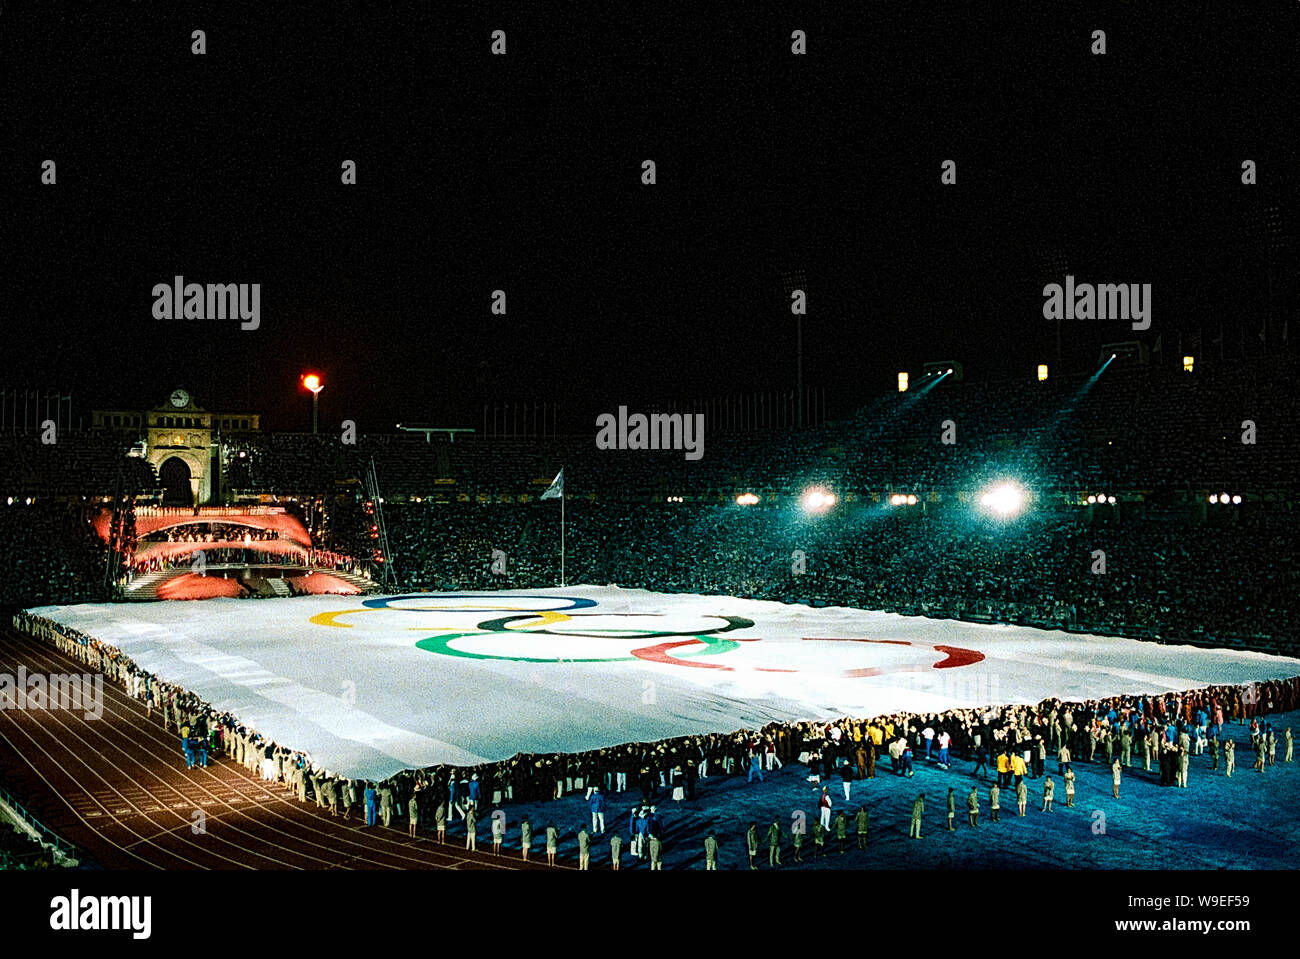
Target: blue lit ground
(1250, 821)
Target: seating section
(1165, 578)
(1177, 569)
(1135, 428)
(79, 464)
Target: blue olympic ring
(575, 602)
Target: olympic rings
(532, 622)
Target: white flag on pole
(556, 489)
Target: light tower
(313, 382)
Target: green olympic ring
(713, 646)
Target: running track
(117, 788)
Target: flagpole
(561, 533)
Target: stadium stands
(49, 554)
(1177, 568)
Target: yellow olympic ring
(327, 619)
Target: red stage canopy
(151, 519)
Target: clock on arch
(180, 399)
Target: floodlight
(1005, 499)
(817, 499)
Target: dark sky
(522, 173)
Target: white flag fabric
(277, 665)
(556, 489)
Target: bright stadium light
(1223, 498)
(1005, 499)
(1092, 499)
(746, 499)
(815, 500)
(911, 499)
(1110, 500)
(1236, 500)
(1214, 498)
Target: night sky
(522, 173)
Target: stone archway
(174, 475)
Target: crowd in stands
(1164, 578)
(1225, 576)
(77, 464)
(1134, 428)
(49, 554)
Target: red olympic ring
(954, 656)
